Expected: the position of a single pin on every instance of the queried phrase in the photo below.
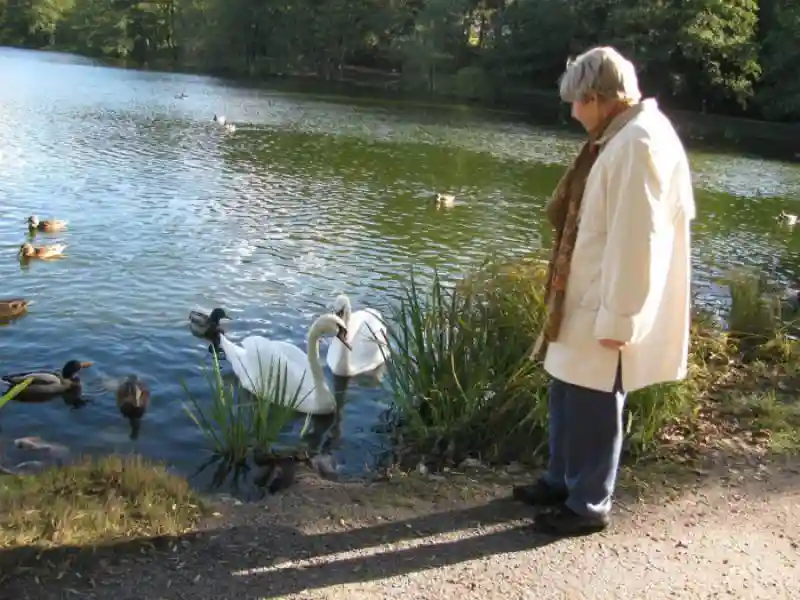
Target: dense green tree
(779, 95)
(735, 56)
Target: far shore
(701, 130)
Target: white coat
(630, 275)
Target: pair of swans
(356, 348)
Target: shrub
(461, 376)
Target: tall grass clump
(753, 313)
(238, 423)
(461, 375)
(457, 368)
(757, 323)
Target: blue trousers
(585, 431)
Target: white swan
(257, 358)
(366, 335)
(220, 120)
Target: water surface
(312, 196)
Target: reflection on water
(309, 198)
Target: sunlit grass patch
(94, 501)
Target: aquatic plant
(752, 312)
(458, 370)
(238, 422)
(461, 377)
(14, 391)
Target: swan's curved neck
(348, 312)
(313, 359)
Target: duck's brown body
(29, 251)
(48, 226)
(133, 396)
(206, 326)
(14, 307)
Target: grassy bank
(94, 501)
(465, 388)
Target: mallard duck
(445, 200)
(34, 224)
(47, 384)
(206, 326)
(14, 307)
(133, 396)
(28, 251)
(786, 218)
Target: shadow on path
(265, 560)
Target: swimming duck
(445, 200)
(14, 307)
(34, 224)
(28, 251)
(47, 384)
(786, 218)
(133, 396)
(206, 326)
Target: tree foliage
(730, 56)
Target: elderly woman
(618, 285)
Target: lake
(310, 197)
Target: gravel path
(417, 539)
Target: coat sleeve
(640, 236)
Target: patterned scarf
(563, 211)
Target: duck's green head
(217, 315)
(73, 367)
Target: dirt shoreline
(417, 537)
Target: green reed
(461, 376)
(753, 313)
(14, 391)
(458, 368)
(239, 422)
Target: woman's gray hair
(601, 71)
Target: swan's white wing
(367, 334)
(266, 354)
(246, 370)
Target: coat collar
(625, 117)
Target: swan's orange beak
(342, 337)
(86, 365)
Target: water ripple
(309, 198)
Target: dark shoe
(540, 493)
(564, 522)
